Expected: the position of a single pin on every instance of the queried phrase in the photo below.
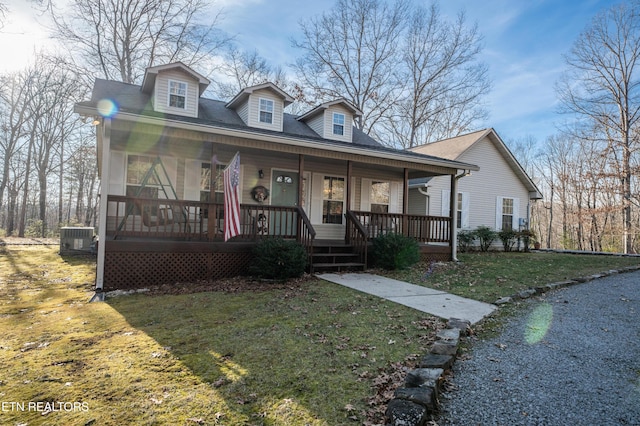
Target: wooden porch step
(338, 266)
(335, 255)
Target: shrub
(528, 237)
(508, 238)
(466, 239)
(277, 258)
(486, 236)
(395, 251)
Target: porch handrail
(424, 229)
(357, 236)
(198, 220)
(306, 235)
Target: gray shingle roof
(129, 98)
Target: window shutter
(499, 213)
(192, 179)
(516, 215)
(445, 202)
(365, 195)
(465, 210)
(171, 166)
(394, 198)
(316, 198)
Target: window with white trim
(333, 199)
(338, 124)
(380, 196)
(266, 111)
(205, 183)
(507, 214)
(177, 94)
(138, 167)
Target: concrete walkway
(434, 302)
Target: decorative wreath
(260, 193)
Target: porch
(157, 241)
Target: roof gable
(151, 73)
(245, 93)
(322, 107)
(454, 148)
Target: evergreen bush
(486, 236)
(277, 258)
(466, 239)
(508, 238)
(395, 251)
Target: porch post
(405, 203)
(453, 213)
(104, 204)
(212, 223)
(348, 188)
(299, 203)
(300, 178)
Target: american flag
(231, 177)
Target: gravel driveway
(571, 358)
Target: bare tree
(3, 13)
(351, 51)
(445, 81)
(120, 38)
(14, 101)
(602, 86)
(242, 69)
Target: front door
(284, 188)
(284, 192)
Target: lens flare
(107, 107)
(538, 323)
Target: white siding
(494, 179)
(254, 110)
(118, 165)
(161, 93)
(317, 124)
(243, 112)
(328, 124)
(418, 203)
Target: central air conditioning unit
(76, 240)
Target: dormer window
(338, 124)
(266, 111)
(177, 94)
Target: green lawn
(313, 354)
(307, 354)
(492, 275)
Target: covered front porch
(168, 227)
(155, 241)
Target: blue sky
(524, 42)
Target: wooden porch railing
(357, 236)
(130, 217)
(424, 229)
(306, 235)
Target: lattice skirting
(138, 268)
(435, 253)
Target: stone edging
(417, 402)
(532, 291)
